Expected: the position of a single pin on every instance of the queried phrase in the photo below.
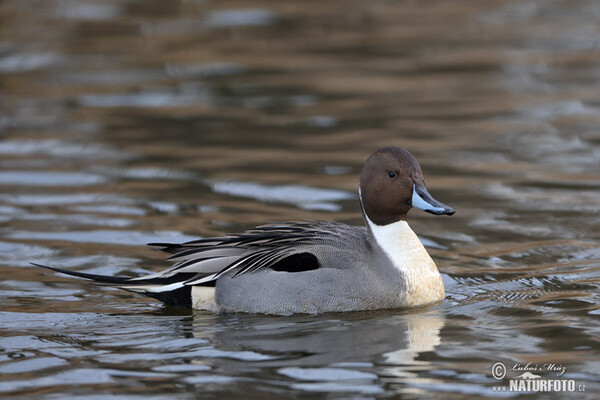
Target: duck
(309, 267)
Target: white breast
(407, 253)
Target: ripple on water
(200, 70)
(182, 368)
(326, 374)
(78, 377)
(584, 199)
(78, 219)
(31, 364)
(121, 237)
(61, 148)
(149, 99)
(305, 197)
(54, 178)
(21, 254)
(28, 61)
(87, 11)
(63, 199)
(146, 173)
(238, 18)
(110, 209)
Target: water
(126, 122)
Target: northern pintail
(310, 266)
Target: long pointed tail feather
(106, 279)
(171, 290)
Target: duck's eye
(391, 174)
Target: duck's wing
(291, 246)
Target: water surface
(126, 122)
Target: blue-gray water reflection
(128, 122)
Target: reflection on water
(127, 122)
(301, 196)
(218, 350)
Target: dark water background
(125, 122)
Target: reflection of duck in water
(312, 266)
(301, 341)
